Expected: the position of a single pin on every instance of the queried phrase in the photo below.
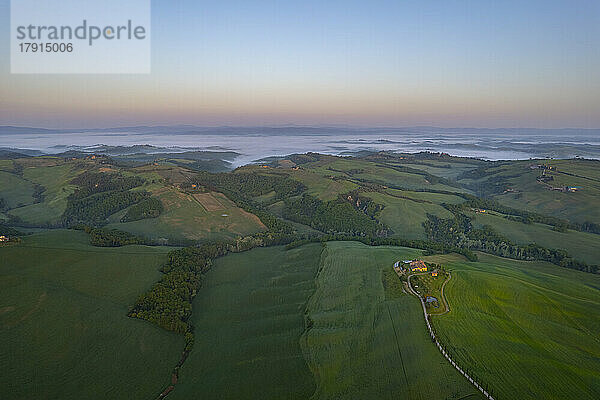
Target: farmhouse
(418, 266)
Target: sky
(366, 63)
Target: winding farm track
(446, 304)
(444, 300)
(437, 343)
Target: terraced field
(64, 325)
(529, 330)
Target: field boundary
(441, 348)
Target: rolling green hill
(64, 326)
(362, 345)
(406, 216)
(192, 216)
(55, 182)
(15, 191)
(527, 193)
(580, 245)
(529, 330)
(249, 316)
(319, 321)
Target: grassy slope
(64, 328)
(7, 165)
(55, 179)
(404, 216)
(391, 177)
(580, 245)
(531, 195)
(363, 346)
(322, 187)
(529, 330)
(15, 191)
(436, 198)
(317, 179)
(439, 168)
(185, 217)
(249, 316)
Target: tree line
(168, 303)
(459, 232)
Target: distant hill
(303, 130)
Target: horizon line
(291, 125)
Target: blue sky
(445, 63)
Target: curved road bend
(446, 304)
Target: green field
(249, 316)
(186, 218)
(15, 191)
(55, 180)
(430, 197)
(7, 165)
(528, 330)
(321, 186)
(318, 180)
(440, 168)
(361, 342)
(580, 245)
(362, 346)
(64, 325)
(405, 216)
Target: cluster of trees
(588, 226)
(91, 183)
(148, 208)
(363, 204)
(38, 193)
(95, 209)
(101, 237)
(168, 303)
(335, 216)
(9, 231)
(304, 158)
(459, 232)
(100, 195)
(251, 184)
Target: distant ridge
(297, 130)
